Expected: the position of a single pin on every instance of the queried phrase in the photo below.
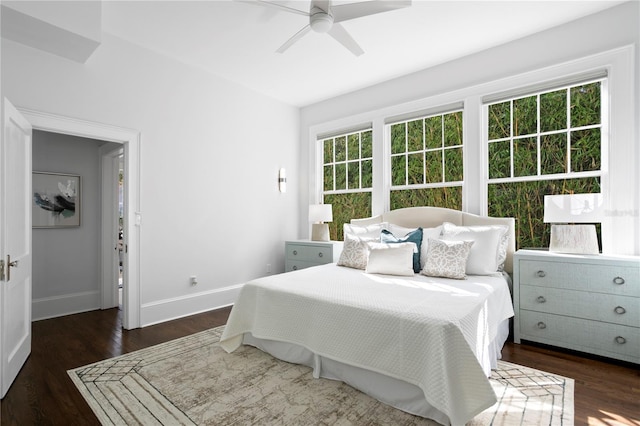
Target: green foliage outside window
(525, 202)
(345, 207)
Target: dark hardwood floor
(606, 393)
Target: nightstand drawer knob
(541, 274)
(541, 299)
(620, 310)
(295, 252)
(541, 325)
(294, 268)
(621, 340)
(618, 280)
(320, 254)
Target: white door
(15, 245)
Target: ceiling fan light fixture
(321, 21)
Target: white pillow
(485, 256)
(433, 233)
(399, 231)
(447, 259)
(354, 252)
(390, 259)
(368, 231)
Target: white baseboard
(179, 307)
(57, 306)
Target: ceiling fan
(324, 17)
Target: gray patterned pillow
(355, 252)
(447, 259)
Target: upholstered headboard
(430, 217)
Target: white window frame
(621, 226)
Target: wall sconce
(318, 214)
(570, 209)
(282, 180)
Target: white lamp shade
(573, 208)
(320, 213)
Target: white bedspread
(430, 332)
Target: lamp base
(576, 239)
(319, 232)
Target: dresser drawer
(614, 279)
(610, 308)
(295, 265)
(316, 254)
(612, 340)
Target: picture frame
(55, 200)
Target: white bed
(422, 344)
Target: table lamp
(563, 212)
(318, 214)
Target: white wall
(66, 261)
(210, 155)
(467, 78)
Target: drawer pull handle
(295, 268)
(541, 274)
(541, 299)
(619, 310)
(541, 325)
(320, 254)
(621, 340)
(618, 280)
(295, 252)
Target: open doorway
(129, 142)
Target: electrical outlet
(193, 280)
(268, 268)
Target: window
(544, 143)
(427, 161)
(347, 177)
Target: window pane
(328, 151)
(553, 153)
(414, 133)
(353, 147)
(367, 148)
(328, 178)
(433, 132)
(354, 175)
(553, 111)
(346, 207)
(525, 202)
(499, 120)
(453, 165)
(499, 160)
(433, 166)
(416, 169)
(525, 157)
(453, 129)
(367, 173)
(341, 148)
(449, 197)
(585, 150)
(341, 176)
(525, 116)
(398, 140)
(585, 105)
(398, 170)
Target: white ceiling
(237, 41)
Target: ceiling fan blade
(297, 36)
(341, 35)
(275, 5)
(344, 12)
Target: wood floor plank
(606, 392)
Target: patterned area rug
(193, 381)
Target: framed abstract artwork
(56, 200)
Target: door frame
(109, 163)
(130, 140)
